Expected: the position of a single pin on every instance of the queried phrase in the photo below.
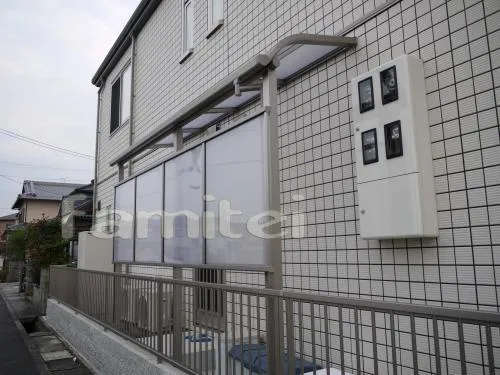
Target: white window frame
(122, 89)
(214, 23)
(187, 48)
(121, 121)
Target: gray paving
(38, 352)
(15, 357)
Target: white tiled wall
(459, 42)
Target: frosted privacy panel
(149, 205)
(123, 243)
(236, 175)
(183, 208)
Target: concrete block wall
(106, 352)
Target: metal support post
(274, 311)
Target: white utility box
(393, 152)
(95, 252)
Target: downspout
(132, 97)
(130, 124)
(97, 133)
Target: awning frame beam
(244, 77)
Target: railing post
(290, 337)
(275, 331)
(106, 298)
(177, 316)
(160, 320)
(489, 344)
(116, 311)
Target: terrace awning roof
(290, 57)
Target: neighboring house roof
(139, 18)
(43, 190)
(85, 189)
(11, 217)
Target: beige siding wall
(35, 210)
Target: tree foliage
(44, 243)
(16, 245)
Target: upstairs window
(121, 93)
(215, 15)
(187, 26)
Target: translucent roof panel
(167, 141)
(237, 101)
(292, 55)
(205, 119)
(202, 121)
(296, 59)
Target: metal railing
(209, 328)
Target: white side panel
(95, 253)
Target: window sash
(187, 30)
(126, 94)
(121, 97)
(115, 105)
(215, 12)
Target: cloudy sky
(50, 51)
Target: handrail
(183, 321)
(225, 267)
(353, 303)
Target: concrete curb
(73, 350)
(113, 354)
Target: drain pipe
(97, 133)
(132, 97)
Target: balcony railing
(209, 328)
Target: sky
(50, 49)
